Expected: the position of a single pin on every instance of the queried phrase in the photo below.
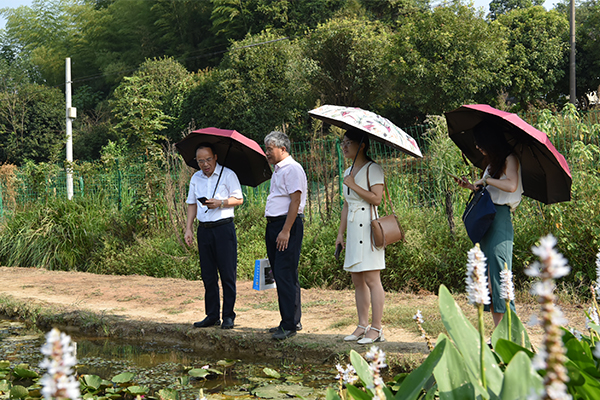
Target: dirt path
(164, 309)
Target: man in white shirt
(216, 237)
(285, 229)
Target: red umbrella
(546, 175)
(234, 150)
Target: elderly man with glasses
(213, 206)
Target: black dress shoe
(283, 334)
(206, 322)
(298, 328)
(227, 323)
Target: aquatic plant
(59, 381)
(478, 295)
(551, 354)
(567, 362)
(418, 317)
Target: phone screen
(202, 200)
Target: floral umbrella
(378, 127)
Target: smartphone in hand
(338, 250)
(202, 200)
(455, 177)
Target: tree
(31, 122)
(588, 49)
(444, 58)
(499, 7)
(259, 86)
(48, 32)
(347, 62)
(537, 61)
(234, 19)
(146, 103)
(390, 10)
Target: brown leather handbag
(384, 230)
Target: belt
(281, 218)
(214, 224)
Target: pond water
(159, 367)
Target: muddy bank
(162, 310)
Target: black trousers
(218, 257)
(285, 270)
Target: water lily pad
(18, 392)
(199, 372)
(235, 393)
(135, 390)
(4, 386)
(168, 394)
(226, 363)
(24, 373)
(4, 364)
(92, 381)
(272, 373)
(282, 391)
(123, 378)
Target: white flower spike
(477, 286)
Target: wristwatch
(222, 201)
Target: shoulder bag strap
(371, 207)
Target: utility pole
(71, 114)
(572, 89)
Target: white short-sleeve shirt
(288, 177)
(204, 186)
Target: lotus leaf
(4, 364)
(24, 373)
(282, 391)
(226, 363)
(168, 394)
(123, 378)
(135, 390)
(272, 373)
(4, 386)
(18, 392)
(93, 382)
(199, 372)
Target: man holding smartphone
(212, 206)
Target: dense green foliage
(141, 231)
(145, 71)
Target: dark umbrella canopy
(234, 150)
(546, 175)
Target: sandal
(353, 338)
(379, 338)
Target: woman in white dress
(363, 260)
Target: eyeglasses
(202, 162)
(347, 143)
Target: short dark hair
(205, 145)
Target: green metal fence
(410, 180)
